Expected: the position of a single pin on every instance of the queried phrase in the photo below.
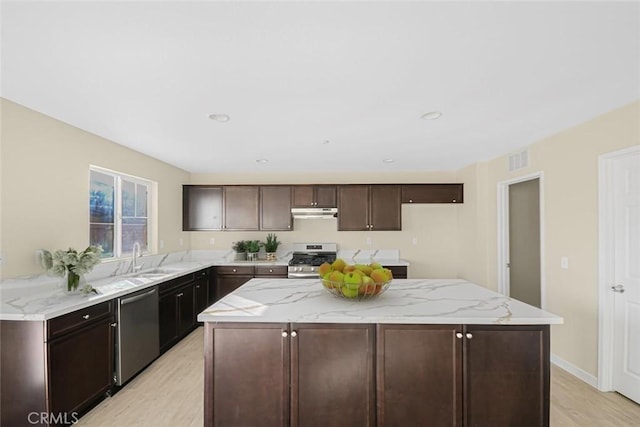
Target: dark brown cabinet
(269, 375)
(176, 305)
(201, 207)
(241, 207)
(230, 278)
(506, 375)
(270, 271)
(419, 375)
(432, 193)
(201, 291)
(473, 375)
(61, 366)
(369, 207)
(275, 208)
(316, 196)
(398, 271)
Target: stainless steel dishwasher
(137, 340)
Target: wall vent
(519, 160)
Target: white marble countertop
(411, 301)
(40, 298)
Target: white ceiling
(292, 75)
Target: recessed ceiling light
(431, 115)
(220, 117)
(388, 160)
(262, 161)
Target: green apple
(367, 287)
(349, 292)
(352, 280)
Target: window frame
(151, 186)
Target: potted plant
(253, 247)
(271, 246)
(240, 248)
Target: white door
(626, 286)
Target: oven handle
(303, 276)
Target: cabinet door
(325, 196)
(385, 207)
(275, 208)
(332, 375)
(398, 271)
(241, 207)
(201, 289)
(201, 207)
(168, 317)
(506, 375)
(419, 375)
(246, 375)
(432, 193)
(186, 309)
(353, 207)
(303, 196)
(80, 367)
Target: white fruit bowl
(355, 292)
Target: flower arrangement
(72, 264)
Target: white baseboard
(575, 371)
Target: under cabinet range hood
(314, 213)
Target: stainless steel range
(308, 256)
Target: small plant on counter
(272, 243)
(253, 246)
(239, 246)
(271, 246)
(72, 265)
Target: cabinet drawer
(76, 319)
(235, 270)
(271, 271)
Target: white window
(119, 211)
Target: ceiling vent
(519, 160)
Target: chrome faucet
(135, 254)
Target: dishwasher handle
(125, 301)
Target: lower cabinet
(56, 368)
(473, 375)
(289, 374)
(279, 374)
(176, 310)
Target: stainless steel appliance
(138, 336)
(308, 256)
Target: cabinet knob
(197, 286)
(284, 334)
(234, 270)
(114, 324)
(454, 200)
(294, 334)
(180, 294)
(271, 270)
(469, 335)
(459, 335)
(410, 200)
(86, 316)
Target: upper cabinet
(201, 207)
(432, 193)
(369, 207)
(241, 207)
(275, 208)
(315, 196)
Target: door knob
(618, 288)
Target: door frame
(606, 264)
(503, 233)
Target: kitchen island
(426, 352)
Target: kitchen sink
(156, 273)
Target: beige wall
(434, 226)
(45, 186)
(569, 162)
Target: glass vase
(72, 282)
